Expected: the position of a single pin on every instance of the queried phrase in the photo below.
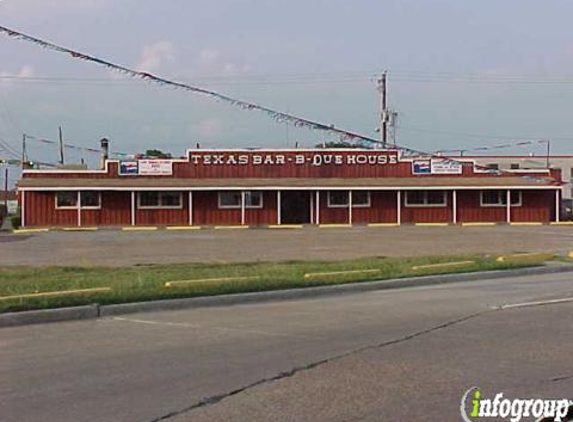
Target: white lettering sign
(316, 160)
(446, 167)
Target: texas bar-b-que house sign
(279, 187)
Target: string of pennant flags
(276, 115)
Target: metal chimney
(104, 155)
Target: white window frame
(254, 206)
(238, 207)
(160, 207)
(354, 204)
(426, 204)
(502, 196)
(75, 207)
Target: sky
(462, 74)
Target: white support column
(557, 206)
(279, 216)
(311, 207)
(23, 210)
(508, 206)
(399, 207)
(350, 207)
(317, 210)
(242, 208)
(455, 206)
(79, 205)
(190, 208)
(133, 208)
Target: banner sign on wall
(446, 167)
(128, 168)
(155, 167)
(421, 167)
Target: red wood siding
(537, 205)
(40, 209)
(206, 211)
(430, 214)
(382, 210)
(115, 211)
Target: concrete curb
(95, 311)
(13, 319)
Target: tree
(338, 144)
(157, 153)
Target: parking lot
(116, 247)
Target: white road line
(187, 325)
(527, 304)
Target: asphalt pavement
(406, 354)
(115, 247)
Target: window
(339, 199)
(498, 198)
(492, 166)
(232, 199)
(69, 200)
(425, 198)
(514, 166)
(66, 200)
(151, 199)
(253, 199)
(90, 199)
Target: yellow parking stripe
(139, 228)
(17, 231)
(183, 283)
(57, 293)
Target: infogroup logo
(474, 407)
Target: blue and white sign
(421, 167)
(128, 168)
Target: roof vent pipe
(104, 155)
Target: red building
(274, 187)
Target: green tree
(157, 153)
(338, 144)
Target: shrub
(16, 221)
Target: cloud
(155, 55)
(26, 71)
(47, 8)
(211, 62)
(207, 129)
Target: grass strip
(147, 282)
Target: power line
(276, 115)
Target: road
(114, 247)
(406, 354)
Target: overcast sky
(461, 73)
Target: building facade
(279, 187)
(525, 162)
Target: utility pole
(24, 153)
(61, 145)
(383, 110)
(6, 188)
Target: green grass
(146, 282)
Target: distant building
(10, 199)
